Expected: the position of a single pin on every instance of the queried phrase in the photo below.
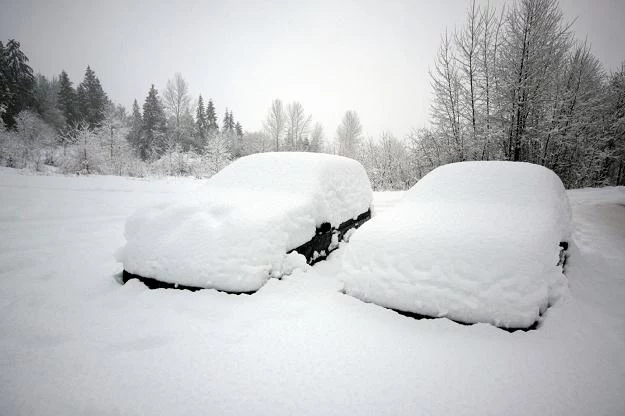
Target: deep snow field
(74, 341)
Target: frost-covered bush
(103, 150)
(85, 155)
(10, 149)
(216, 154)
(31, 145)
(179, 163)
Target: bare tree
(316, 138)
(256, 142)
(467, 42)
(275, 122)
(177, 104)
(446, 103)
(487, 74)
(297, 126)
(176, 97)
(349, 134)
(536, 41)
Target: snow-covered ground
(73, 341)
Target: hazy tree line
(510, 84)
(515, 84)
(77, 129)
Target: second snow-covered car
(471, 241)
(261, 216)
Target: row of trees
(511, 84)
(290, 128)
(56, 101)
(168, 124)
(51, 123)
(515, 84)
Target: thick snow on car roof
(234, 231)
(338, 186)
(473, 241)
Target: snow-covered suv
(261, 216)
(472, 241)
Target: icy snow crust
(233, 233)
(73, 341)
(472, 241)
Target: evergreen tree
(45, 95)
(5, 95)
(226, 121)
(16, 82)
(92, 101)
(238, 129)
(154, 125)
(66, 100)
(229, 125)
(200, 121)
(211, 117)
(136, 125)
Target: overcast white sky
(332, 56)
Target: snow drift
(472, 241)
(233, 233)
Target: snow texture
(74, 341)
(233, 233)
(472, 241)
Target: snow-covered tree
(446, 103)
(45, 93)
(256, 142)
(66, 100)
(153, 131)
(135, 125)
(467, 57)
(297, 127)
(275, 123)
(537, 40)
(316, 138)
(30, 145)
(228, 122)
(16, 82)
(349, 134)
(181, 125)
(92, 100)
(216, 153)
(615, 110)
(211, 117)
(116, 149)
(176, 98)
(201, 124)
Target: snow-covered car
(471, 241)
(262, 216)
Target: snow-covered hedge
(233, 233)
(472, 241)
